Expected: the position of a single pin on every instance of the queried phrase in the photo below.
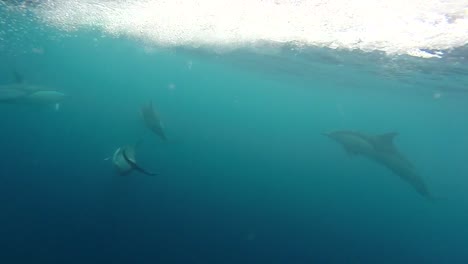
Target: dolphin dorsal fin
(386, 140)
(388, 137)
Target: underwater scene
(249, 131)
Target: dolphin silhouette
(31, 95)
(124, 161)
(153, 121)
(381, 149)
(21, 92)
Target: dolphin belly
(356, 145)
(152, 121)
(45, 97)
(122, 166)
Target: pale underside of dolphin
(124, 161)
(153, 121)
(381, 149)
(24, 93)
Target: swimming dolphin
(24, 93)
(124, 161)
(153, 121)
(381, 149)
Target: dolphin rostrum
(124, 161)
(381, 149)
(153, 121)
(23, 93)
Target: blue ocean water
(247, 175)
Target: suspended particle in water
(251, 236)
(38, 50)
(189, 64)
(340, 110)
(148, 50)
(171, 86)
(437, 95)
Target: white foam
(392, 26)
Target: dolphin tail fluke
(421, 188)
(436, 199)
(432, 199)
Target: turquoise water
(246, 175)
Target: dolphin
(124, 161)
(381, 149)
(21, 92)
(153, 121)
